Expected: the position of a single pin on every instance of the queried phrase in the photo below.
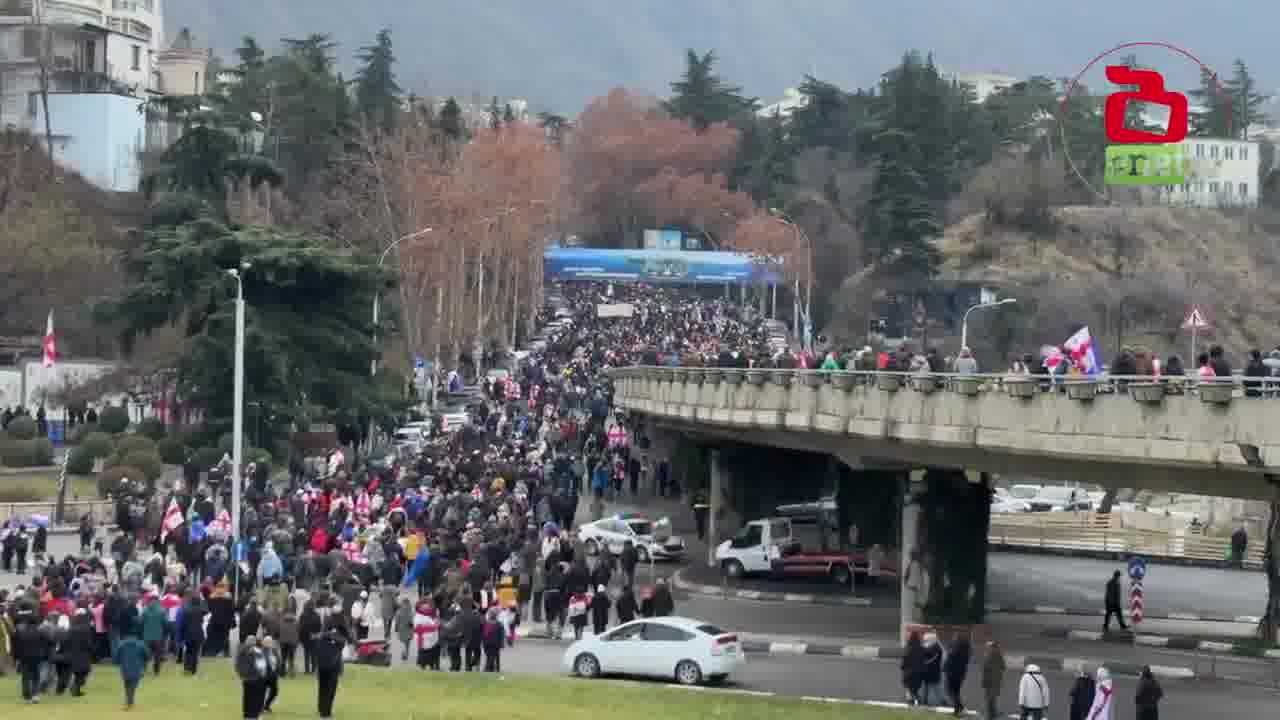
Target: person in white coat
(1033, 694)
(1103, 697)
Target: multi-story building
(792, 100)
(92, 62)
(984, 84)
(1221, 172)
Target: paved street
(879, 680)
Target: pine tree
(495, 114)
(702, 97)
(451, 120)
(377, 93)
(1246, 101)
(1211, 114)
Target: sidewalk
(1241, 647)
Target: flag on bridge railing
(1083, 352)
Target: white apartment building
(1221, 173)
(100, 59)
(984, 84)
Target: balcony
(81, 82)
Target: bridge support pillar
(715, 498)
(913, 575)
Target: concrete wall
(1182, 444)
(101, 137)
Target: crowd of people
(443, 555)
(934, 674)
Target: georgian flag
(221, 525)
(50, 343)
(172, 520)
(1081, 347)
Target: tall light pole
(785, 219)
(377, 298)
(964, 322)
(237, 421)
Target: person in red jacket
(320, 540)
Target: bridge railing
(1096, 532)
(1142, 388)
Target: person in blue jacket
(131, 656)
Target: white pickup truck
(756, 546)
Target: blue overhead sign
(657, 266)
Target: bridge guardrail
(1143, 388)
(1097, 532)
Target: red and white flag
(221, 525)
(172, 520)
(50, 344)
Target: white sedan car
(653, 541)
(690, 651)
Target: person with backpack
(328, 649)
(251, 667)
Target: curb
(760, 646)
(1116, 555)
(810, 599)
(1167, 642)
(678, 580)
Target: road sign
(1137, 568)
(1195, 319)
(1135, 602)
(419, 362)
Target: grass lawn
(367, 692)
(42, 486)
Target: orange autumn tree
(631, 166)
(489, 206)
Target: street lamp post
(377, 301)
(964, 323)
(785, 219)
(237, 421)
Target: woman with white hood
(1102, 697)
(1033, 694)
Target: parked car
(689, 651)
(653, 540)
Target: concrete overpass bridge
(1206, 439)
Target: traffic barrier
(1102, 533)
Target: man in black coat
(328, 655)
(193, 614)
(30, 649)
(1112, 598)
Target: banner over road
(657, 266)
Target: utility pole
(43, 63)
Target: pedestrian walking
(131, 657)
(155, 628)
(993, 669)
(913, 668)
(403, 621)
(1148, 697)
(310, 626)
(1082, 692)
(193, 637)
(79, 649)
(1103, 690)
(1033, 694)
(30, 650)
(271, 681)
(289, 638)
(251, 667)
(954, 669)
(494, 637)
(328, 659)
(1112, 601)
